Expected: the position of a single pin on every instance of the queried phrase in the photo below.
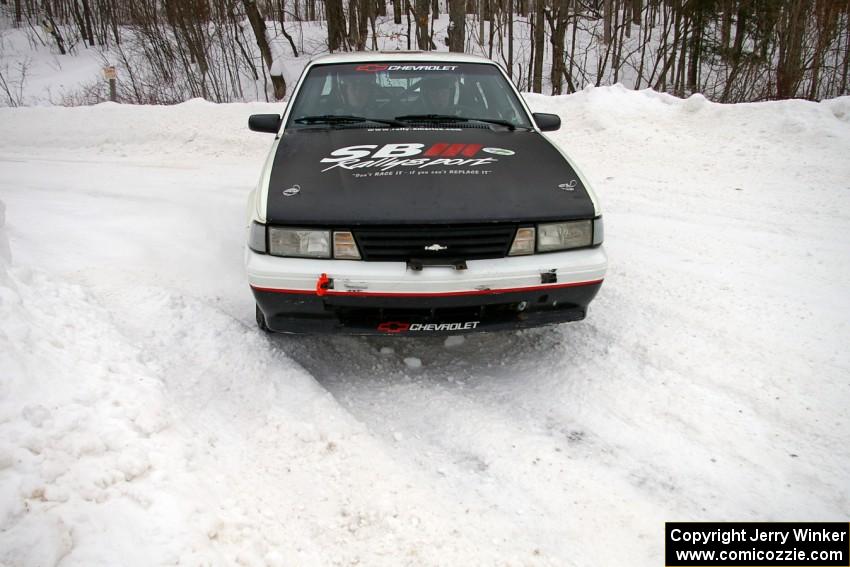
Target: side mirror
(547, 122)
(269, 123)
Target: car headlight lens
(344, 246)
(299, 243)
(523, 242)
(564, 235)
(257, 237)
(598, 231)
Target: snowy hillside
(144, 420)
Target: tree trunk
(354, 24)
(492, 28)
(529, 70)
(408, 10)
(397, 11)
(680, 68)
(623, 26)
(606, 20)
(510, 17)
(258, 24)
(457, 25)
(481, 23)
(695, 47)
(670, 62)
(431, 45)
(645, 35)
(50, 25)
(372, 17)
(572, 50)
(18, 15)
(78, 18)
(789, 70)
(87, 17)
(827, 17)
(113, 18)
(558, 27)
(288, 37)
(421, 13)
(674, 48)
(726, 28)
(846, 66)
(367, 13)
(336, 25)
(537, 81)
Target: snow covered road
(144, 420)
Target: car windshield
(391, 95)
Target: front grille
(469, 242)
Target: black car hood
(359, 176)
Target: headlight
(598, 231)
(299, 243)
(564, 235)
(257, 238)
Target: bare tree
(421, 8)
(558, 18)
(729, 50)
(87, 21)
(539, 46)
(457, 25)
(397, 11)
(258, 24)
(789, 71)
(336, 25)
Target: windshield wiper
(453, 118)
(345, 118)
(506, 123)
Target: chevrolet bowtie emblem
(436, 247)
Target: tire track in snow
(485, 420)
(272, 432)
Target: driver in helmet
(357, 92)
(438, 95)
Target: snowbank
(169, 133)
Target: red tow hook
(323, 284)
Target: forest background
(169, 51)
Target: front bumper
(388, 298)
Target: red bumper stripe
(427, 294)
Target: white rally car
(410, 193)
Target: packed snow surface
(144, 420)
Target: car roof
(373, 56)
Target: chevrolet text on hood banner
(351, 176)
